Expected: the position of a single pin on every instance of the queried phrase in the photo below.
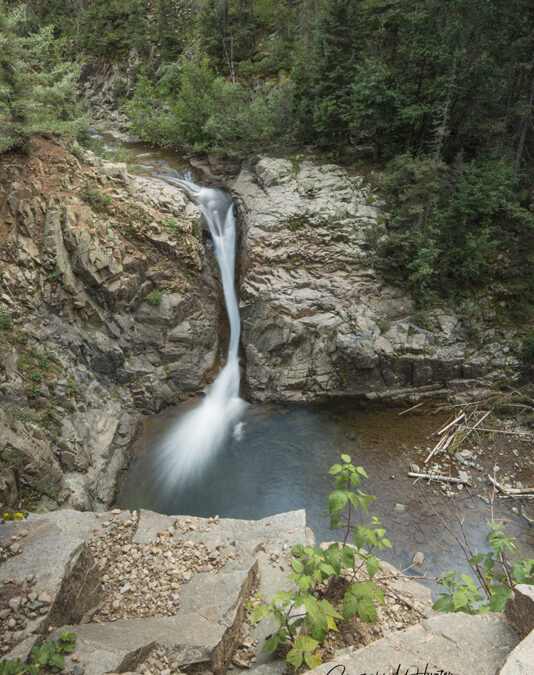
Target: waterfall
(199, 434)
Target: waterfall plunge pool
(279, 459)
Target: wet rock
(418, 559)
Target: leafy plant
(306, 609)
(170, 225)
(496, 578)
(11, 514)
(154, 298)
(48, 654)
(98, 201)
(5, 321)
(71, 389)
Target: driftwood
(498, 431)
(437, 477)
(417, 405)
(460, 425)
(512, 493)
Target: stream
(253, 461)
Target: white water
(199, 434)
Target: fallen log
(438, 478)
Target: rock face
(54, 558)
(450, 643)
(317, 317)
(110, 308)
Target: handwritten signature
(401, 670)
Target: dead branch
(439, 478)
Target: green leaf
(355, 479)
(346, 459)
(271, 644)
(56, 660)
(366, 609)
(337, 500)
(468, 581)
(334, 520)
(359, 537)
(335, 469)
(317, 624)
(361, 471)
(460, 599)
(380, 596)
(327, 609)
(305, 582)
(444, 604)
(305, 643)
(312, 660)
(347, 557)
(294, 658)
(297, 566)
(327, 569)
(354, 499)
(350, 606)
(372, 565)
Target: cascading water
(199, 434)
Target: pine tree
(37, 89)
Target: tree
(37, 88)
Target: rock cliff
(109, 308)
(318, 319)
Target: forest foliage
(436, 95)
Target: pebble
(400, 508)
(15, 603)
(418, 558)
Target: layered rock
(318, 319)
(110, 308)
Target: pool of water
(279, 461)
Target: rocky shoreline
(192, 615)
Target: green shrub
(306, 607)
(96, 199)
(154, 298)
(5, 321)
(495, 576)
